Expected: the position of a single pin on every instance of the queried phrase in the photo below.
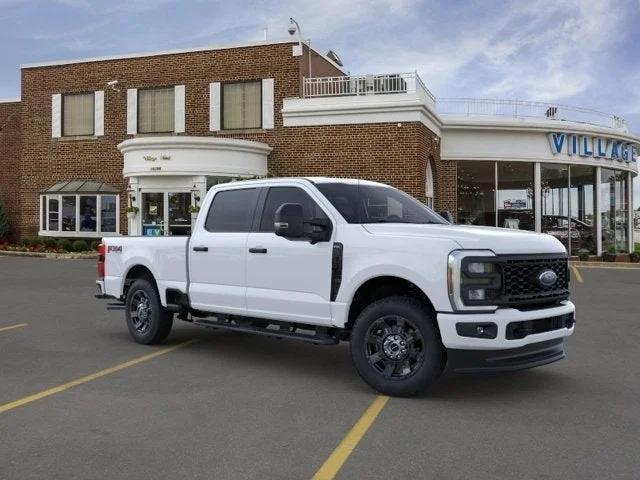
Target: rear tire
(149, 323)
(396, 347)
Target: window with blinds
(78, 110)
(156, 110)
(241, 105)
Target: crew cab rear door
(288, 279)
(218, 251)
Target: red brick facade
(388, 152)
(10, 143)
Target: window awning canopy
(81, 186)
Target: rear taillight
(102, 249)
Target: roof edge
(176, 51)
(10, 100)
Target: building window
(241, 105)
(429, 185)
(78, 110)
(582, 202)
(614, 205)
(476, 192)
(79, 215)
(515, 196)
(156, 110)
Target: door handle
(257, 250)
(201, 249)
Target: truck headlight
(474, 280)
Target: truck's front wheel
(396, 347)
(148, 321)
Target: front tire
(396, 346)
(149, 323)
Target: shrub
(583, 254)
(49, 242)
(80, 246)
(4, 222)
(95, 244)
(30, 242)
(65, 244)
(635, 257)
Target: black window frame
(251, 216)
(156, 132)
(93, 126)
(222, 86)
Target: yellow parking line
(603, 267)
(576, 273)
(334, 463)
(19, 325)
(94, 376)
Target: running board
(282, 332)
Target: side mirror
(320, 230)
(446, 215)
(289, 222)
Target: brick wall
(10, 160)
(383, 152)
(46, 161)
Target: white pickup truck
(324, 260)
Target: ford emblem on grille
(547, 278)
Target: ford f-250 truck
(326, 260)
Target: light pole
(294, 27)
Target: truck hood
(499, 240)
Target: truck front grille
(520, 283)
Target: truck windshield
(363, 203)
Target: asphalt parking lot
(234, 406)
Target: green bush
(80, 246)
(95, 244)
(65, 244)
(635, 257)
(49, 242)
(4, 222)
(30, 242)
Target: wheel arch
(383, 286)
(134, 273)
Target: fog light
(477, 330)
(477, 294)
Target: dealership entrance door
(166, 213)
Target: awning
(81, 186)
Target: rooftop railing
(356, 85)
(472, 107)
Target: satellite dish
(334, 56)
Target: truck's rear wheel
(396, 347)
(148, 321)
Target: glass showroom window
(156, 110)
(79, 215)
(614, 208)
(555, 201)
(582, 202)
(515, 195)
(241, 105)
(476, 192)
(78, 114)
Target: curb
(55, 256)
(613, 265)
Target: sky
(575, 52)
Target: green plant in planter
(610, 254)
(583, 254)
(194, 209)
(132, 209)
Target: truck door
(288, 279)
(218, 251)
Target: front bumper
(494, 361)
(502, 318)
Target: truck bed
(164, 257)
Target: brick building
(89, 138)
